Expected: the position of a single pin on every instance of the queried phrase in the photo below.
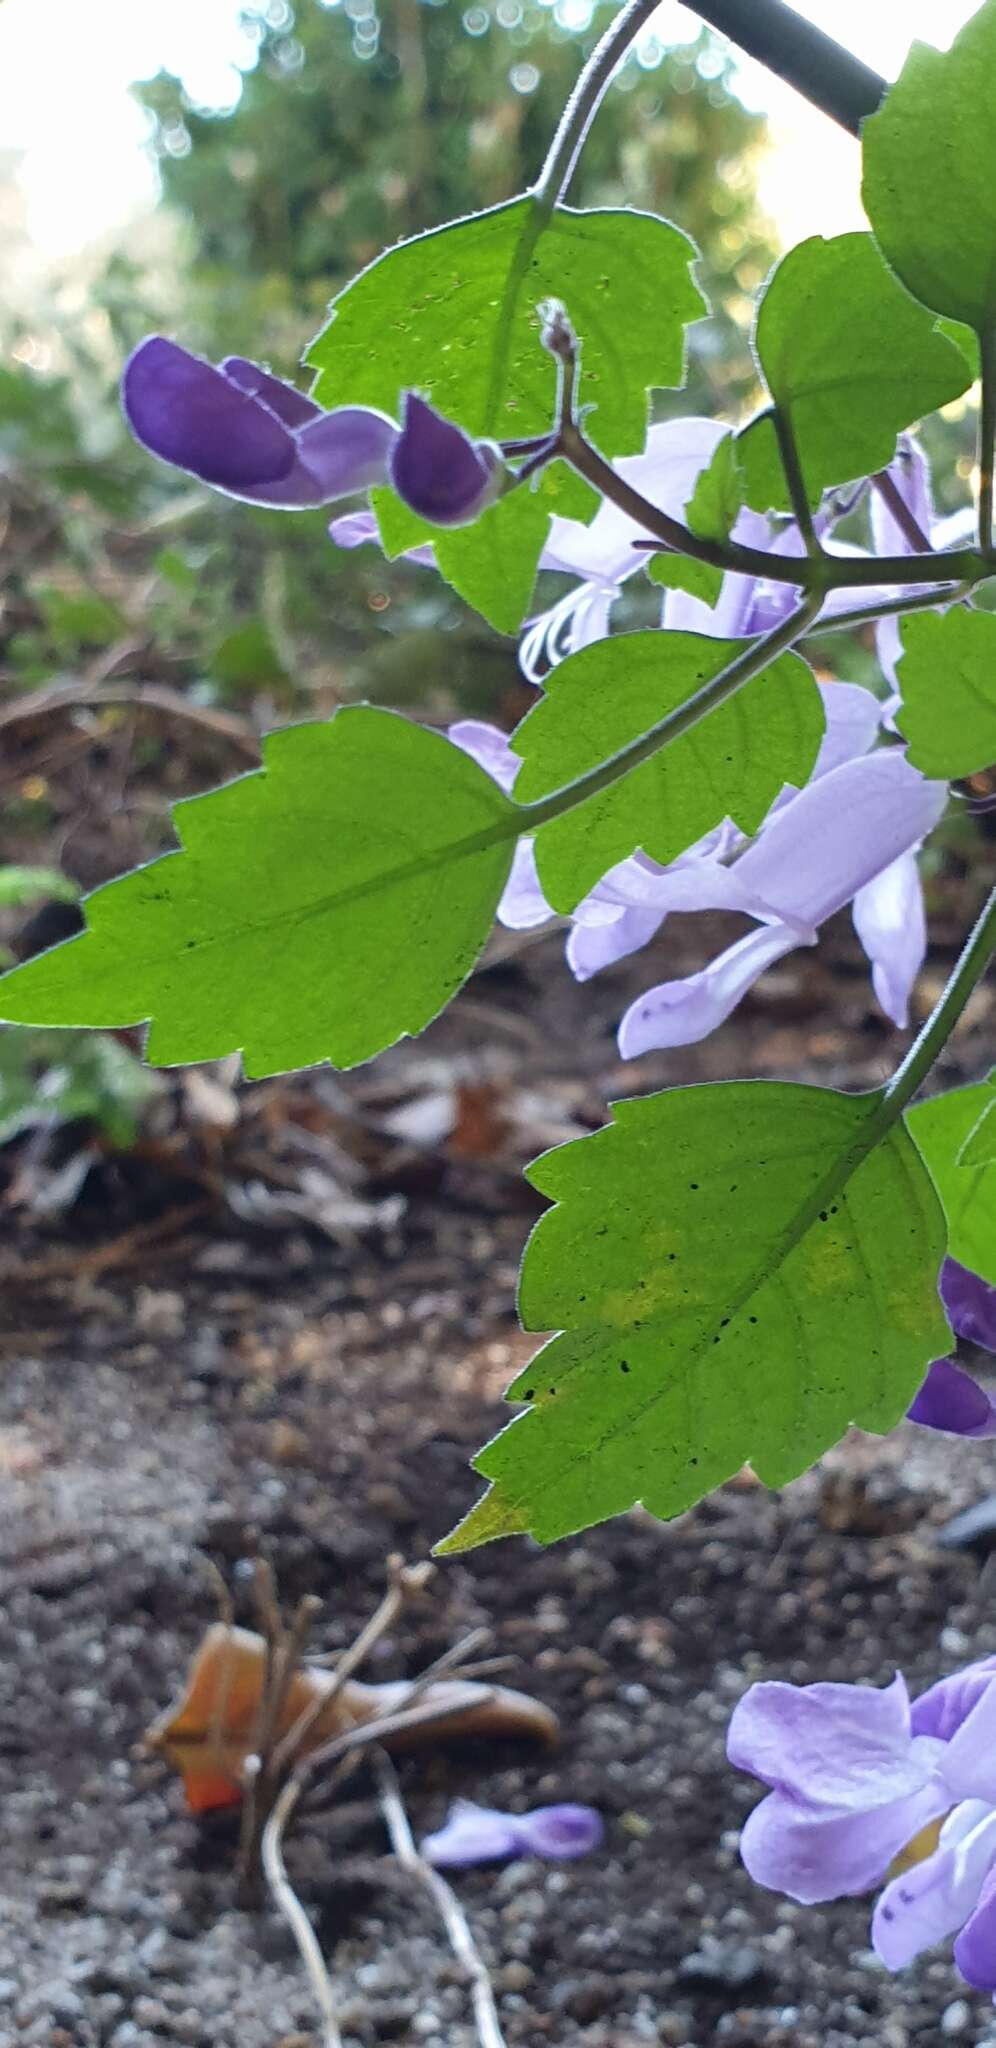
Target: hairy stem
(755, 657)
(584, 102)
(976, 957)
(825, 73)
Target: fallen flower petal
(481, 1834)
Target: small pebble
(956, 2017)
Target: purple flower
(848, 837)
(856, 1774)
(949, 1398)
(602, 555)
(255, 437)
(480, 1834)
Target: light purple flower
(848, 835)
(481, 1834)
(855, 1775)
(950, 1399)
(254, 437)
(603, 554)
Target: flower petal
(472, 1834)
(818, 851)
(815, 1854)
(590, 947)
(950, 1399)
(489, 747)
(354, 529)
(560, 1832)
(930, 1901)
(943, 1707)
(523, 905)
(289, 404)
(438, 470)
(975, 1948)
(835, 1745)
(683, 1012)
(890, 922)
(191, 414)
(970, 1303)
(342, 451)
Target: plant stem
(754, 658)
(795, 480)
(890, 608)
(987, 438)
(831, 572)
(825, 73)
(977, 954)
(584, 102)
(450, 1911)
(892, 497)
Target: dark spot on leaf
(623, 1366)
(528, 1393)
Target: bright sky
(66, 65)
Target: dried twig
(405, 1582)
(451, 1912)
(262, 1766)
(285, 1897)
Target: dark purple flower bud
(950, 1399)
(481, 1834)
(970, 1303)
(438, 470)
(247, 433)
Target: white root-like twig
(285, 1897)
(451, 1913)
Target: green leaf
(492, 564)
(947, 677)
(738, 1272)
(321, 908)
(453, 314)
(715, 503)
(979, 1148)
(930, 173)
(850, 359)
(684, 572)
(942, 1128)
(731, 764)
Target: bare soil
(211, 1390)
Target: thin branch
(285, 1898)
(405, 1583)
(584, 102)
(451, 1912)
(794, 49)
(892, 497)
(218, 725)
